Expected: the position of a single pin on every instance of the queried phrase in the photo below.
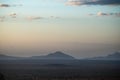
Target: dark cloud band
(93, 2)
(4, 5)
(10, 5)
(104, 2)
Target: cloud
(73, 3)
(4, 5)
(38, 17)
(92, 2)
(117, 14)
(34, 17)
(54, 17)
(102, 14)
(13, 14)
(105, 14)
(8, 5)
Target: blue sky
(64, 25)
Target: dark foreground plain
(60, 69)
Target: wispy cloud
(13, 14)
(54, 17)
(33, 17)
(105, 14)
(92, 2)
(38, 17)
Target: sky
(81, 28)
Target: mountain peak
(59, 55)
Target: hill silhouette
(56, 55)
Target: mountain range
(62, 56)
(58, 55)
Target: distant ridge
(114, 56)
(2, 56)
(58, 55)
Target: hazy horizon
(80, 28)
